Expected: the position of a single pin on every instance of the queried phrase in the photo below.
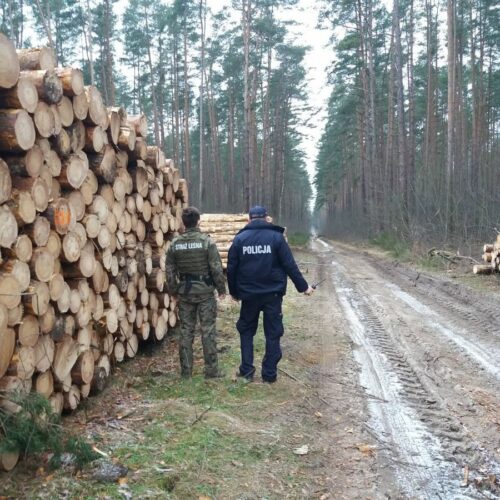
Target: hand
(309, 290)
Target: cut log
(99, 208)
(48, 320)
(36, 58)
(51, 168)
(223, 218)
(83, 370)
(59, 215)
(57, 402)
(38, 189)
(89, 187)
(139, 123)
(74, 170)
(140, 181)
(8, 234)
(47, 84)
(9, 63)
(22, 364)
(28, 331)
(18, 130)
(19, 270)
(8, 342)
(44, 120)
(44, 384)
(37, 300)
(71, 247)
(42, 264)
(4, 319)
(57, 119)
(99, 380)
(172, 319)
(77, 135)
(44, 353)
(39, 231)
(94, 140)
(22, 207)
(119, 351)
(11, 384)
(71, 81)
(482, 269)
(5, 182)
(97, 114)
(27, 165)
(80, 106)
(126, 138)
(77, 203)
(8, 459)
(140, 151)
(132, 346)
(66, 113)
(114, 126)
(65, 357)
(104, 164)
(22, 96)
(64, 326)
(72, 398)
(21, 250)
(62, 144)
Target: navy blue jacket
(259, 262)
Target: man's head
(190, 217)
(257, 212)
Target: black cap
(257, 212)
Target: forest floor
(388, 388)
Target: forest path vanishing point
(425, 354)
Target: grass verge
(181, 438)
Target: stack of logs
(491, 255)
(87, 210)
(222, 228)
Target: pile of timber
(222, 228)
(87, 212)
(491, 255)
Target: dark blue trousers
(270, 305)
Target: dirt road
(427, 357)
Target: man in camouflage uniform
(194, 272)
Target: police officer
(194, 271)
(259, 262)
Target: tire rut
(448, 444)
(448, 296)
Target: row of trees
(223, 91)
(411, 143)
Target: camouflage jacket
(193, 265)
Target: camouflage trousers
(191, 308)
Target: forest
(411, 139)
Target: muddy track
(467, 304)
(396, 319)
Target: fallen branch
(200, 416)
(454, 258)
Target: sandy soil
(412, 363)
